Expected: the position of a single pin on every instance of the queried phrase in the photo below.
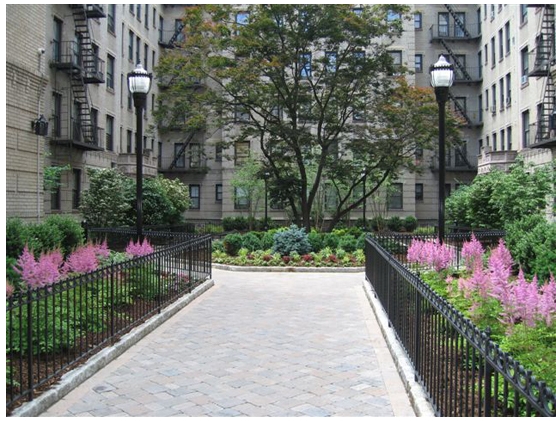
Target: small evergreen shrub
(218, 245)
(348, 243)
(43, 238)
(378, 223)
(233, 243)
(331, 240)
(316, 239)
(395, 223)
(228, 223)
(251, 242)
(72, 233)
(410, 223)
(292, 240)
(267, 241)
(16, 237)
(361, 242)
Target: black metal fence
(463, 371)
(52, 329)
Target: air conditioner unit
(524, 79)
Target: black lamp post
(364, 175)
(266, 177)
(139, 83)
(442, 77)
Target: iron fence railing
(51, 330)
(462, 370)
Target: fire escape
(545, 59)
(79, 60)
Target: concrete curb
(416, 393)
(74, 378)
(286, 269)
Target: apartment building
(504, 92)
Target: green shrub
(16, 237)
(292, 240)
(316, 239)
(361, 242)
(43, 238)
(394, 223)
(218, 245)
(232, 244)
(251, 242)
(267, 241)
(331, 240)
(348, 243)
(410, 223)
(72, 233)
(228, 223)
(378, 223)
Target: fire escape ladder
(89, 58)
(182, 149)
(83, 128)
(453, 58)
(172, 42)
(460, 111)
(546, 120)
(544, 50)
(463, 156)
(458, 21)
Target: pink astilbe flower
(137, 249)
(520, 304)
(547, 301)
(101, 250)
(9, 290)
(37, 274)
(500, 267)
(430, 253)
(82, 260)
(472, 253)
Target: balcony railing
(454, 32)
(70, 131)
(70, 57)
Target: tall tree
(312, 85)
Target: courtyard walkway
(256, 344)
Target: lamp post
(442, 77)
(266, 177)
(364, 175)
(139, 83)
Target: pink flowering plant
(139, 249)
(430, 254)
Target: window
(447, 190)
(461, 103)
(486, 99)
(218, 153)
(396, 59)
(110, 72)
(502, 94)
(305, 65)
(241, 198)
(138, 51)
(160, 29)
(94, 124)
(330, 198)
(139, 12)
(493, 51)
(480, 62)
(419, 193)
(159, 156)
(147, 16)
(419, 63)
(392, 16)
(129, 141)
(395, 196)
(178, 26)
(509, 138)
(154, 59)
(508, 89)
(111, 18)
(109, 133)
(146, 57)
(501, 44)
(330, 58)
(241, 152)
(462, 60)
(357, 10)
(494, 142)
(132, 9)
(180, 162)
(479, 20)
(56, 196)
(241, 114)
(129, 98)
(57, 40)
(461, 155)
(154, 17)
(526, 129)
(480, 100)
(218, 193)
(242, 19)
(359, 59)
(502, 139)
(494, 98)
(443, 25)
(523, 13)
(57, 114)
(459, 30)
(486, 53)
(76, 188)
(130, 46)
(524, 65)
(194, 155)
(195, 196)
(508, 38)
(418, 20)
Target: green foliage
(316, 239)
(52, 175)
(348, 243)
(292, 240)
(146, 283)
(331, 240)
(164, 201)
(238, 223)
(394, 223)
(43, 238)
(360, 245)
(497, 199)
(72, 232)
(532, 242)
(218, 245)
(16, 237)
(410, 223)
(251, 242)
(378, 223)
(267, 241)
(109, 200)
(233, 243)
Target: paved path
(256, 344)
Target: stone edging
(74, 378)
(417, 394)
(233, 268)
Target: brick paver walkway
(256, 344)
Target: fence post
(30, 344)
(417, 338)
(488, 376)
(112, 302)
